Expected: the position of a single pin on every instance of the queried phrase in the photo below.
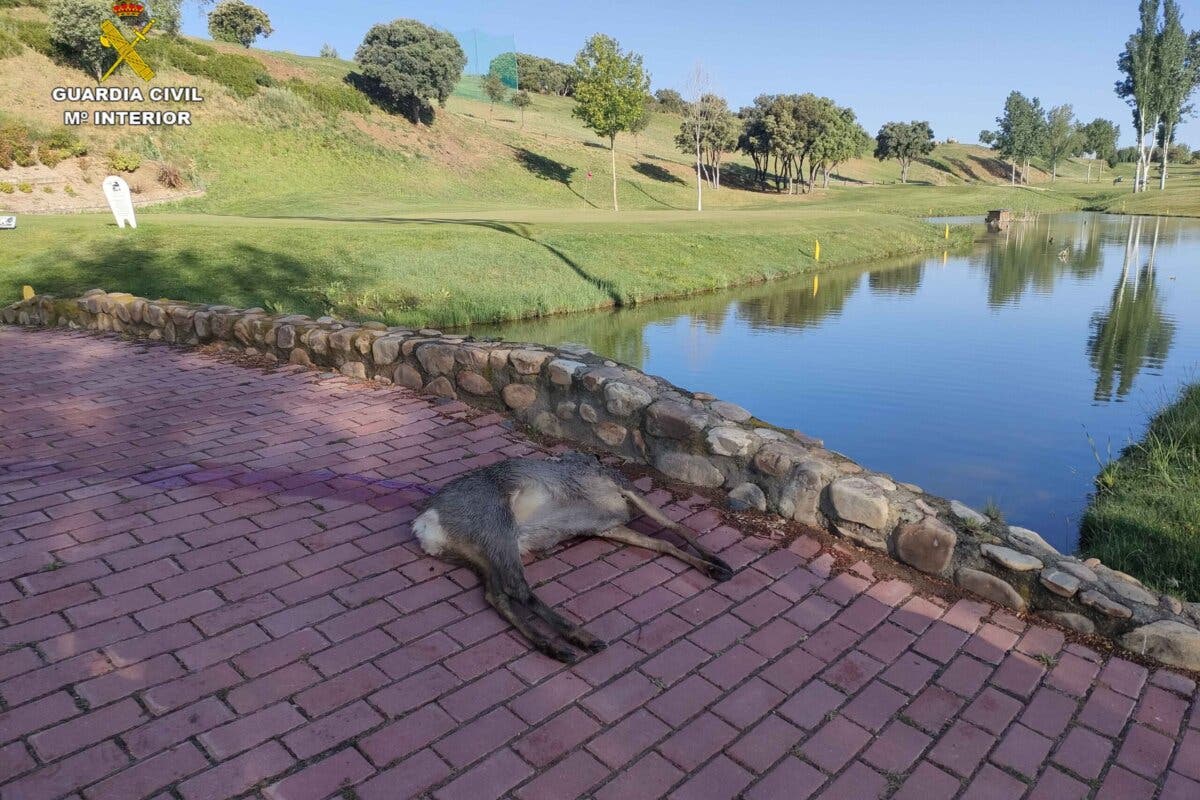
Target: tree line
(1160, 68)
(1026, 131)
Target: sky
(951, 63)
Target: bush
(62, 144)
(70, 190)
(6, 187)
(242, 75)
(170, 176)
(48, 189)
(16, 146)
(19, 3)
(328, 51)
(124, 160)
(73, 31)
(330, 98)
(25, 188)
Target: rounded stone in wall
(727, 440)
(474, 383)
(441, 387)
(689, 468)
(746, 496)
(408, 376)
(1068, 619)
(437, 359)
(611, 433)
(621, 399)
(859, 500)
(729, 411)
(588, 412)
(528, 362)
(989, 586)
(519, 396)
(927, 545)
(565, 410)
(300, 357)
(548, 424)
(354, 369)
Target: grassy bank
(1145, 518)
(448, 269)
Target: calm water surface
(978, 375)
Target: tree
(522, 101)
(1100, 142)
(1139, 86)
(328, 51)
(74, 30)
(1177, 64)
(670, 101)
(1020, 133)
(903, 142)
(534, 73)
(168, 16)
(1062, 139)
(755, 139)
(841, 140)
(695, 124)
(495, 90)
(610, 92)
(406, 63)
(238, 22)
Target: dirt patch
(75, 185)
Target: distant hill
(285, 134)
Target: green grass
(449, 269)
(1145, 517)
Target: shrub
(69, 189)
(19, 3)
(25, 188)
(242, 75)
(16, 146)
(73, 30)
(6, 187)
(330, 98)
(328, 51)
(170, 176)
(62, 144)
(124, 160)
(48, 189)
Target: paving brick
(480, 737)
(87, 730)
(1057, 785)
(409, 778)
(490, 779)
(148, 776)
(322, 779)
(809, 707)
(791, 778)
(927, 782)
(192, 687)
(177, 726)
(250, 730)
(720, 777)
(407, 735)
(1146, 752)
(962, 748)
(66, 776)
(697, 742)
(1084, 753)
(651, 777)
(569, 779)
(331, 730)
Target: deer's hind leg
(710, 565)
(714, 566)
(575, 634)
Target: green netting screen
(487, 54)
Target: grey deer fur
(492, 516)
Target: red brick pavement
(208, 589)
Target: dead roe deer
(492, 516)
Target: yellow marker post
(817, 250)
(816, 284)
(26, 292)
(947, 231)
(945, 257)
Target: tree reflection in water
(1134, 333)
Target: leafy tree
(670, 101)
(904, 141)
(1139, 86)
(495, 90)
(406, 63)
(238, 22)
(1100, 141)
(710, 129)
(1021, 132)
(755, 138)
(522, 101)
(1177, 64)
(167, 15)
(328, 51)
(1062, 139)
(75, 31)
(841, 139)
(535, 74)
(610, 92)
(504, 69)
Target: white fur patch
(430, 533)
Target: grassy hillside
(310, 199)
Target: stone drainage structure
(573, 394)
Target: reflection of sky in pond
(977, 376)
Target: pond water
(981, 375)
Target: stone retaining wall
(574, 394)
